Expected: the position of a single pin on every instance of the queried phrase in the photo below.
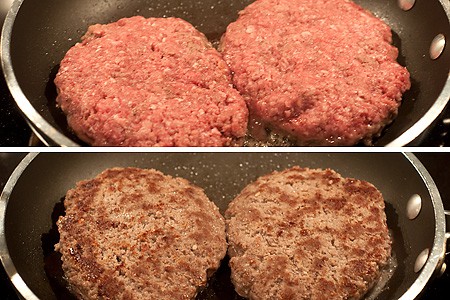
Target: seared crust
(307, 234)
(139, 234)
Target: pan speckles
(222, 175)
(305, 233)
(31, 55)
(321, 72)
(149, 82)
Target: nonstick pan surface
(37, 34)
(40, 182)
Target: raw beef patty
(149, 82)
(139, 234)
(323, 72)
(307, 234)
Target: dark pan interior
(222, 175)
(44, 30)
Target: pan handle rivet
(413, 206)
(421, 260)
(442, 270)
(406, 4)
(437, 46)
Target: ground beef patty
(321, 71)
(138, 234)
(307, 234)
(149, 82)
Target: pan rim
(433, 112)
(17, 281)
(34, 119)
(437, 253)
(432, 264)
(50, 135)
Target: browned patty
(307, 234)
(139, 234)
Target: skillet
(30, 197)
(37, 34)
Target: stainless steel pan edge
(38, 124)
(20, 285)
(424, 123)
(51, 136)
(437, 253)
(431, 267)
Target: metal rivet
(413, 206)
(421, 260)
(442, 270)
(437, 46)
(406, 4)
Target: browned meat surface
(139, 234)
(307, 234)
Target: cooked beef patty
(149, 82)
(307, 234)
(138, 234)
(322, 72)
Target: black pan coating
(44, 30)
(46, 180)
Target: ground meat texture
(149, 82)
(323, 72)
(307, 234)
(138, 234)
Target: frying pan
(37, 34)
(29, 199)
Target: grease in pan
(135, 233)
(149, 82)
(222, 175)
(337, 89)
(321, 72)
(307, 234)
(311, 224)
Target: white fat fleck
(250, 29)
(306, 34)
